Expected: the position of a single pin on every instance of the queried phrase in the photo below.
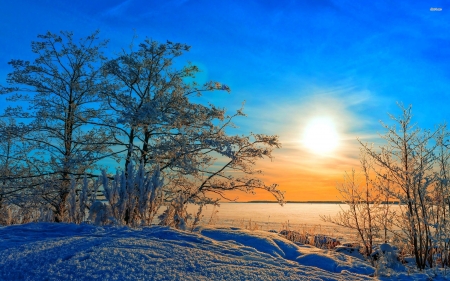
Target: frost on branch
(158, 123)
(411, 168)
(241, 154)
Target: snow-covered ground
(47, 251)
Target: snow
(49, 251)
(277, 246)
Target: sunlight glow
(320, 135)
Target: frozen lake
(267, 216)
(271, 216)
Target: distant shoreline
(309, 202)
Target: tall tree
(61, 89)
(156, 123)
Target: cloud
(139, 10)
(117, 10)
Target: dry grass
(313, 235)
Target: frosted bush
(79, 199)
(387, 260)
(100, 213)
(176, 214)
(134, 197)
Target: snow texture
(48, 251)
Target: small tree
(440, 209)
(409, 167)
(363, 206)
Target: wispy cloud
(117, 10)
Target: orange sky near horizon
(303, 175)
(299, 167)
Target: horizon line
(309, 201)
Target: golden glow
(320, 136)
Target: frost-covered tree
(17, 173)
(11, 167)
(412, 168)
(155, 122)
(151, 113)
(364, 205)
(60, 91)
(10, 160)
(441, 198)
(409, 166)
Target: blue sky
(289, 60)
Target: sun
(320, 135)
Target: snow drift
(48, 251)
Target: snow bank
(48, 251)
(277, 246)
